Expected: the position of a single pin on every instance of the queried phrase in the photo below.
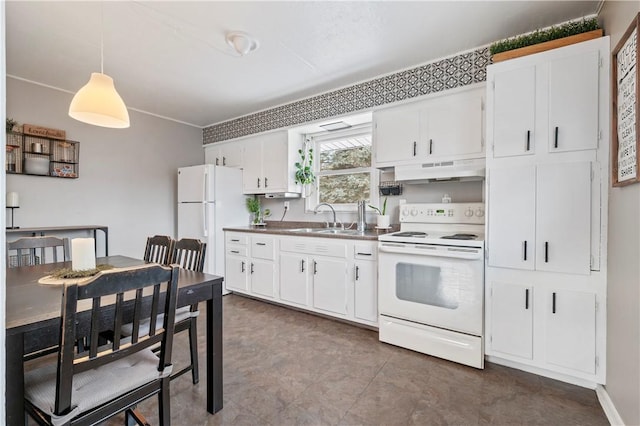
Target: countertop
(284, 228)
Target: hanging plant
(304, 168)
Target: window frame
(374, 174)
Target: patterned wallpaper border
(448, 73)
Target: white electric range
(431, 281)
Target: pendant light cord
(102, 37)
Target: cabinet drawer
(236, 239)
(237, 251)
(365, 251)
(314, 246)
(262, 248)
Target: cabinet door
(211, 154)
(263, 277)
(514, 112)
(329, 285)
(571, 330)
(396, 134)
(563, 233)
(252, 179)
(573, 102)
(236, 274)
(294, 273)
(274, 163)
(512, 319)
(454, 126)
(231, 155)
(366, 291)
(512, 198)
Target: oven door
(437, 285)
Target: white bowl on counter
(36, 166)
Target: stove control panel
(471, 213)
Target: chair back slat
(159, 249)
(127, 286)
(190, 253)
(31, 251)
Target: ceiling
(170, 58)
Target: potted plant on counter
(383, 220)
(304, 169)
(257, 215)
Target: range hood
(455, 170)
(282, 195)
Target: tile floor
(283, 367)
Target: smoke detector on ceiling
(241, 42)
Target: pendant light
(97, 102)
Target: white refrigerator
(209, 199)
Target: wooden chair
(159, 249)
(87, 388)
(189, 254)
(31, 251)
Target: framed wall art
(625, 155)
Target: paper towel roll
(83, 254)
(12, 199)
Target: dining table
(33, 323)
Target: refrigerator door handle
(205, 227)
(205, 184)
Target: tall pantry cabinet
(547, 182)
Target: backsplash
(455, 71)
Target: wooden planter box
(547, 45)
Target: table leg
(214, 353)
(14, 401)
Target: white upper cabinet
(573, 102)
(268, 164)
(546, 103)
(514, 112)
(225, 154)
(442, 128)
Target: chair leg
(164, 407)
(133, 417)
(193, 345)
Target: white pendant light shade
(99, 103)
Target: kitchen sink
(339, 231)
(305, 230)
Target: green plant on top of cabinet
(430, 129)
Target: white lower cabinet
(512, 319)
(331, 276)
(330, 285)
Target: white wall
(623, 286)
(127, 176)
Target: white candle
(83, 254)
(12, 199)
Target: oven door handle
(454, 252)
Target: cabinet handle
(555, 139)
(251, 267)
(217, 161)
(526, 298)
(235, 241)
(235, 251)
(546, 252)
(302, 265)
(261, 244)
(553, 303)
(315, 267)
(224, 161)
(357, 273)
(265, 182)
(258, 182)
(363, 254)
(242, 267)
(415, 147)
(524, 254)
(528, 140)
(430, 146)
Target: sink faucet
(335, 223)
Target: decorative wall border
(448, 73)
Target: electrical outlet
(286, 205)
